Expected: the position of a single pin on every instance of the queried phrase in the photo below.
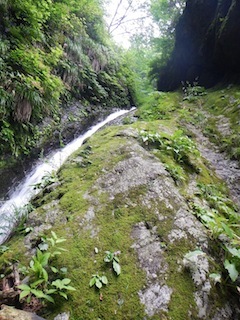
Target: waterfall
(10, 211)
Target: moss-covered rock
(123, 200)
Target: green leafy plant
(222, 219)
(192, 91)
(45, 280)
(111, 257)
(179, 146)
(98, 281)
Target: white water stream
(25, 191)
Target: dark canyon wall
(207, 45)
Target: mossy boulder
(123, 200)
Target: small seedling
(112, 257)
(98, 281)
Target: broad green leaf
(63, 294)
(66, 281)
(92, 282)
(61, 240)
(116, 267)
(43, 246)
(45, 274)
(235, 252)
(24, 287)
(54, 235)
(36, 283)
(70, 288)
(58, 283)
(231, 268)
(37, 293)
(48, 298)
(104, 280)
(228, 230)
(51, 291)
(55, 270)
(63, 270)
(23, 294)
(98, 284)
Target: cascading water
(26, 190)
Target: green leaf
(61, 240)
(70, 288)
(235, 252)
(231, 268)
(36, 283)
(54, 235)
(56, 253)
(92, 282)
(43, 246)
(48, 298)
(58, 284)
(63, 294)
(104, 280)
(55, 270)
(23, 294)
(63, 270)
(228, 230)
(37, 293)
(116, 267)
(24, 287)
(51, 291)
(45, 274)
(98, 284)
(66, 281)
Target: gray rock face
(206, 46)
(136, 171)
(63, 316)
(10, 313)
(155, 296)
(142, 169)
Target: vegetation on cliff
(54, 53)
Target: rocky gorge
(142, 218)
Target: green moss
(159, 105)
(182, 299)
